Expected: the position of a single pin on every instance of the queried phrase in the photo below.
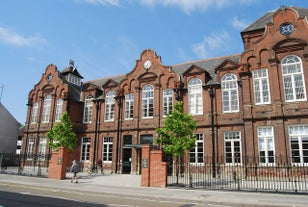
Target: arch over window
(293, 78)
(195, 103)
(109, 106)
(229, 88)
(148, 101)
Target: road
(12, 195)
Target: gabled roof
(267, 18)
(102, 81)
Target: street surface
(125, 191)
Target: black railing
(249, 176)
(25, 164)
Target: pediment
(227, 65)
(193, 70)
(148, 76)
(110, 83)
(89, 86)
(290, 44)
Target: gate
(25, 164)
(253, 176)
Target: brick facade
(265, 47)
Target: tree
(62, 134)
(177, 134)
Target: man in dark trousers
(74, 169)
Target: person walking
(100, 166)
(74, 169)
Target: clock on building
(286, 28)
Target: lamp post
(211, 92)
(119, 101)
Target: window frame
(167, 101)
(289, 63)
(88, 110)
(195, 98)
(266, 133)
(107, 149)
(197, 150)
(147, 109)
(85, 149)
(109, 106)
(46, 109)
(129, 107)
(261, 86)
(233, 140)
(229, 90)
(298, 135)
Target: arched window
(293, 79)
(109, 106)
(88, 105)
(46, 109)
(195, 104)
(229, 93)
(147, 101)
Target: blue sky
(106, 37)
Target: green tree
(62, 134)
(177, 135)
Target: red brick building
(251, 105)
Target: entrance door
(126, 161)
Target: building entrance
(126, 161)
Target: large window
(196, 154)
(107, 149)
(229, 93)
(109, 106)
(293, 79)
(167, 101)
(232, 147)
(34, 115)
(46, 109)
(129, 106)
(88, 107)
(59, 108)
(42, 148)
(147, 101)
(30, 148)
(195, 103)
(299, 144)
(266, 145)
(85, 149)
(261, 86)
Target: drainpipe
(211, 93)
(119, 100)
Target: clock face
(147, 64)
(286, 28)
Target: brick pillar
(154, 171)
(158, 169)
(58, 164)
(145, 167)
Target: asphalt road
(12, 195)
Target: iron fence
(249, 176)
(25, 164)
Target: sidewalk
(129, 185)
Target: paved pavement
(129, 185)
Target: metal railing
(249, 176)
(25, 164)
